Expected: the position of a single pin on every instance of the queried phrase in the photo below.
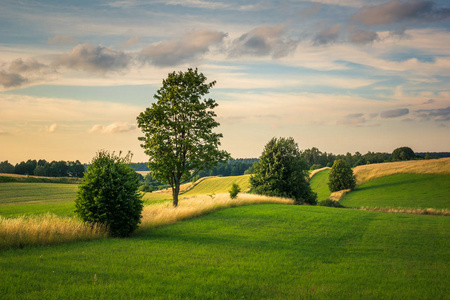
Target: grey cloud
(397, 11)
(97, 59)
(175, 52)
(20, 66)
(8, 80)
(394, 113)
(355, 120)
(262, 41)
(328, 35)
(429, 101)
(61, 40)
(440, 114)
(362, 37)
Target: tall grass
(414, 211)
(50, 229)
(369, 172)
(45, 229)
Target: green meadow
(319, 184)
(253, 252)
(402, 191)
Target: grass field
(253, 252)
(402, 190)
(319, 184)
(37, 198)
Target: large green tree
(282, 172)
(403, 153)
(341, 176)
(178, 130)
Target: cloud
(62, 40)
(131, 42)
(394, 113)
(115, 127)
(8, 80)
(328, 35)
(52, 128)
(96, 59)
(397, 11)
(262, 41)
(354, 120)
(362, 37)
(440, 114)
(175, 52)
(429, 101)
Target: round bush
(109, 194)
(341, 176)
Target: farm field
(402, 191)
(17, 198)
(261, 251)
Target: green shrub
(109, 194)
(234, 191)
(341, 176)
(281, 172)
(330, 203)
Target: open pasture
(319, 184)
(253, 252)
(402, 191)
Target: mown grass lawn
(402, 191)
(252, 252)
(319, 184)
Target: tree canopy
(341, 176)
(282, 172)
(403, 153)
(178, 130)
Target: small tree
(178, 129)
(109, 194)
(234, 191)
(341, 176)
(403, 153)
(282, 172)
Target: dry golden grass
(415, 211)
(188, 208)
(433, 166)
(336, 196)
(314, 172)
(45, 230)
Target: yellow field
(433, 166)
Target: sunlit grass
(319, 184)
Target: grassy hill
(402, 191)
(319, 184)
(254, 252)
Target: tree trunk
(175, 192)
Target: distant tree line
(44, 168)
(233, 167)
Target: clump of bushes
(109, 194)
(330, 203)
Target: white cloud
(52, 128)
(116, 127)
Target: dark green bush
(341, 176)
(234, 191)
(281, 172)
(109, 194)
(330, 203)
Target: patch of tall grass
(45, 229)
(369, 172)
(413, 211)
(49, 229)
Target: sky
(342, 76)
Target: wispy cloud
(262, 41)
(116, 127)
(175, 52)
(398, 11)
(62, 40)
(394, 113)
(328, 35)
(439, 114)
(97, 59)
